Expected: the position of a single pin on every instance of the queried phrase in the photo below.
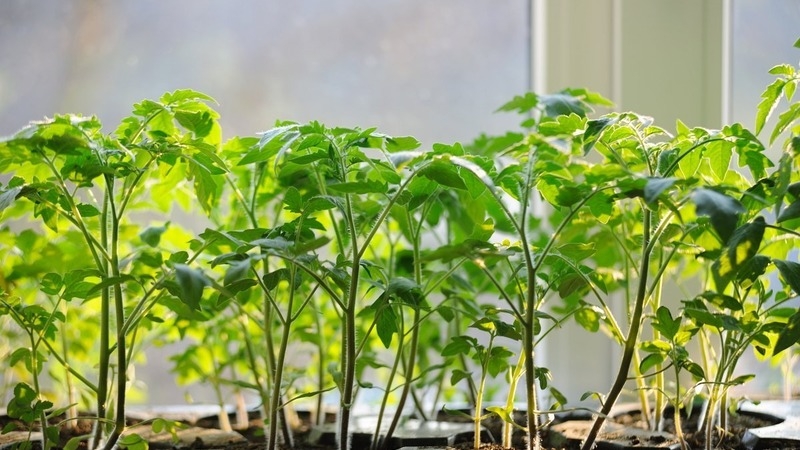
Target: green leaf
(723, 210)
(386, 325)
(563, 104)
(444, 174)
(293, 200)
(722, 301)
(577, 251)
(594, 130)
(21, 354)
(769, 100)
(655, 186)
(753, 268)
(665, 324)
(236, 271)
(404, 289)
(359, 187)
(694, 369)
(743, 245)
(522, 104)
(152, 235)
(458, 375)
(789, 336)
(571, 284)
(198, 122)
(790, 212)
(401, 143)
(498, 360)
(703, 317)
(8, 196)
(191, 283)
(109, 282)
(588, 318)
(133, 442)
(459, 345)
(790, 272)
(650, 361)
(51, 284)
(182, 95)
(784, 120)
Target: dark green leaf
(191, 283)
(753, 268)
(359, 187)
(459, 345)
(236, 271)
(458, 375)
(790, 212)
(51, 284)
(655, 186)
(790, 272)
(563, 104)
(722, 301)
(405, 290)
(789, 336)
(722, 209)
(152, 235)
(703, 317)
(272, 279)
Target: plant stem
(632, 339)
(514, 377)
(321, 351)
(277, 379)
(105, 300)
(119, 310)
(409, 374)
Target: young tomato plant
(75, 176)
(510, 169)
(491, 359)
(334, 190)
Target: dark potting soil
(255, 438)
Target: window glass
(436, 70)
(762, 34)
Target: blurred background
(434, 70)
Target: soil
(255, 437)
